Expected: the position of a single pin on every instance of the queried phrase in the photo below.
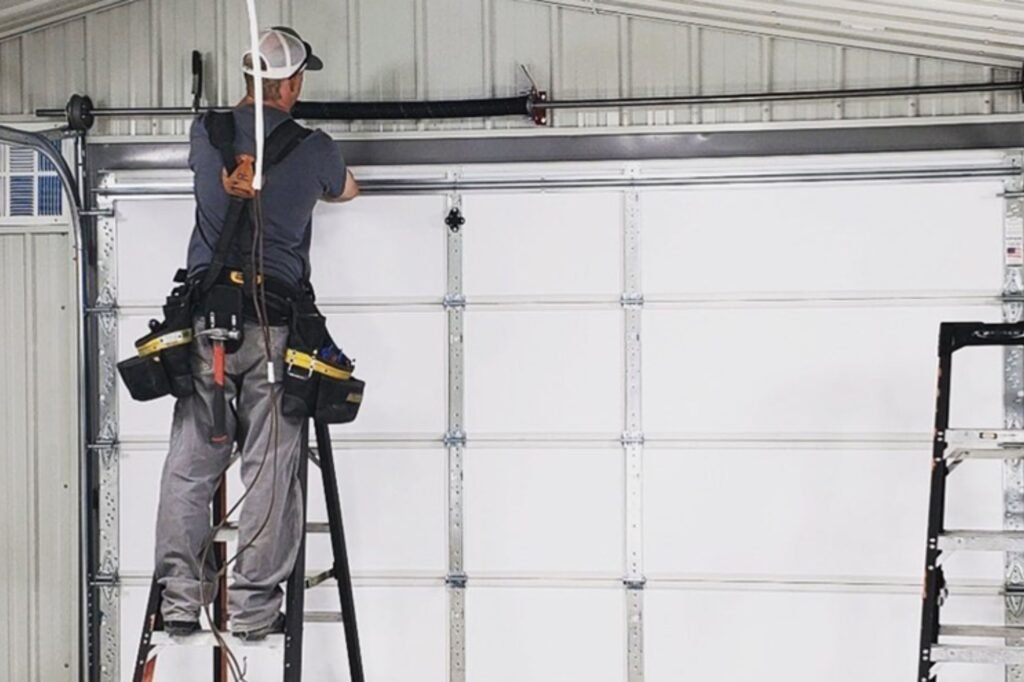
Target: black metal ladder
(951, 448)
(298, 583)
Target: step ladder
(153, 638)
(951, 449)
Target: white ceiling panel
(982, 31)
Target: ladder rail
(295, 594)
(342, 570)
(936, 509)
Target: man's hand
(350, 192)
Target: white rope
(257, 74)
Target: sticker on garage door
(1015, 241)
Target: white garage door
(718, 391)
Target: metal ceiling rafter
(961, 31)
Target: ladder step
(971, 439)
(978, 654)
(989, 453)
(982, 540)
(992, 631)
(322, 617)
(206, 638)
(229, 533)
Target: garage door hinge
(456, 580)
(634, 583)
(454, 301)
(454, 439)
(633, 438)
(105, 580)
(632, 300)
(97, 213)
(101, 310)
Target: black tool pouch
(145, 377)
(177, 359)
(314, 385)
(162, 365)
(339, 397)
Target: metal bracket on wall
(633, 438)
(1013, 396)
(455, 441)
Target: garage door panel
(152, 243)
(913, 237)
(529, 244)
(402, 358)
(793, 636)
(826, 513)
(519, 516)
(140, 491)
(406, 619)
(549, 372)
(394, 509)
(402, 633)
(809, 371)
(376, 248)
(545, 634)
(380, 247)
(393, 505)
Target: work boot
(258, 634)
(181, 628)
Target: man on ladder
(237, 391)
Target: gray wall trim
(621, 147)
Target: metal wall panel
(138, 54)
(53, 64)
(39, 531)
(796, 65)
(10, 76)
(121, 71)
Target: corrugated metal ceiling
(21, 16)
(981, 31)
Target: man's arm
(348, 193)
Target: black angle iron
(298, 583)
(951, 448)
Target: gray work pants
(190, 477)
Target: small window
(23, 200)
(29, 184)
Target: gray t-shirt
(290, 191)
